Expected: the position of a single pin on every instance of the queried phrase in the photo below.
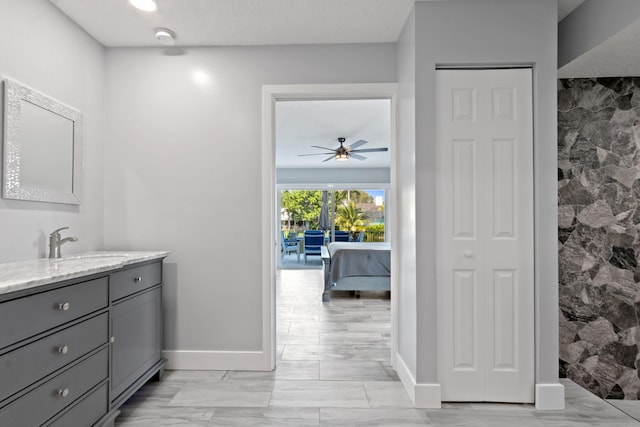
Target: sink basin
(93, 256)
(98, 255)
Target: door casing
(270, 222)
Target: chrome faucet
(55, 242)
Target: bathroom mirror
(42, 147)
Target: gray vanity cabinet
(71, 352)
(54, 352)
(136, 328)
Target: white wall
(475, 32)
(406, 178)
(591, 24)
(183, 161)
(333, 176)
(41, 48)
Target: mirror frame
(14, 93)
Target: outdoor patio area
(290, 262)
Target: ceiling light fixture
(165, 36)
(145, 5)
(342, 156)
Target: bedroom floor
(333, 369)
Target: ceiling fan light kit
(343, 153)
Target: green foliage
(303, 206)
(376, 228)
(346, 196)
(349, 217)
(374, 233)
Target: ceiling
(248, 22)
(241, 22)
(300, 124)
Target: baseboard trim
(425, 395)
(406, 378)
(217, 360)
(549, 397)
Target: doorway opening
(306, 178)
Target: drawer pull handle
(64, 307)
(63, 392)
(137, 279)
(63, 350)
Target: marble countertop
(20, 275)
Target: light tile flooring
(333, 369)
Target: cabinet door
(136, 327)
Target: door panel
(464, 200)
(505, 326)
(503, 188)
(485, 235)
(465, 318)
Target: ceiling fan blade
(333, 156)
(358, 143)
(324, 148)
(368, 150)
(357, 156)
(315, 154)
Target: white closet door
(485, 223)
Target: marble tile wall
(598, 232)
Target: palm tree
(349, 217)
(348, 196)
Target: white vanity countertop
(19, 275)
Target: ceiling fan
(344, 153)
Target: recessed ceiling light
(146, 5)
(165, 36)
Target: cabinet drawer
(42, 403)
(28, 364)
(135, 279)
(27, 316)
(86, 412)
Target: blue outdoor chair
(341, 236)
(290, 245)
(313, 241)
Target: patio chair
(341, 236)
(290, 245)
(313, 241)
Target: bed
(356, 267)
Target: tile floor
(333, 369)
